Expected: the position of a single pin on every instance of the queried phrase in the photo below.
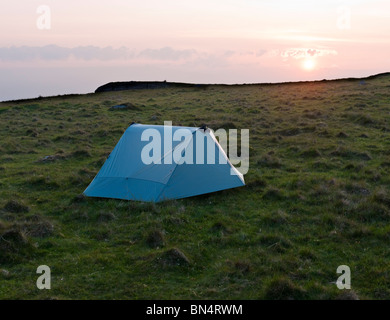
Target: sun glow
(309, 64)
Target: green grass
(317, 197)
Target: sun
(309, 64)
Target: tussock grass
(14, 206)
(15, 247)
(173, 257)
(155, 239)
(283, 289)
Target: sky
(52, 47)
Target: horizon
(71, 48)
(189, 83)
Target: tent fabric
(125, 176)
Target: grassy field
(317, 196)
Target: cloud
(54, 52)
(260, 53)
(229, 53)
(51, 53)
(167, 53)
(300, 53)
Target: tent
(184, 167)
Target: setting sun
(309, 64)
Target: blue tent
(126, 175)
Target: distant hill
(142, 85)
(137, 85)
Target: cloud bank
(54, 52)
(88, 53)
(300, 53)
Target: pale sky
(88, 43)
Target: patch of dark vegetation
(295, 131)
(215, 125)
(227, 125)
(64, 138)
(154, 118)
(79, 198)
(269, 161)
(173, 257)
(371, 212)
(274, 219)
(220, 228)
(81, 154)
(51, 158)
(14, 246)
(176, 221)
(274, 243)
(42, 182)
(347, 295)
(307, 254)
(382, 196)
(242, 267)
(87, 172)
(101, 233)
(312, 115)
(273, 193)
(155, 239)
(125, 106)
(32, 133)
(14, 206)
(289, 132)
(350, 154)
(342, 135)
(323, 133)
(311, 153)
(322, 165)
(363, 119)
(282, 288)
(106, 216)
(256, 183)
(350, 166)
(79, 132)
(99, 163)
(36, 226)
(357, 188)
(5, 274)
(13, 148)
(79, 180)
